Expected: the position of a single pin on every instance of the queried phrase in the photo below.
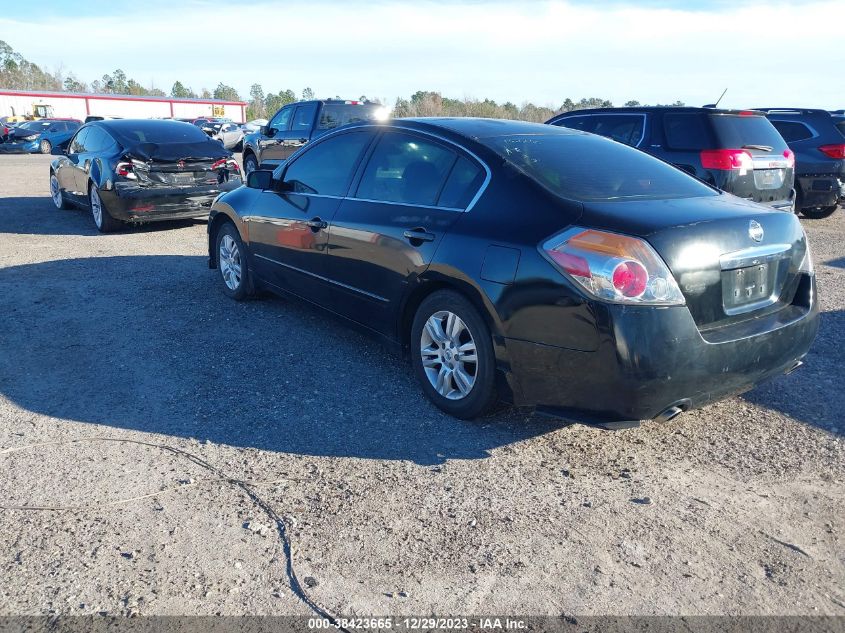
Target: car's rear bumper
(823, 190)
(130, 203)
(651, 359)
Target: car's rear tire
(452, 355)
(56, 192)
(250, 164)
(232, 263)
(818, 213)
(46, 147)
(103, 220)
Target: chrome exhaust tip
(669, 414)
(797, 364)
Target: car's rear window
(159, 132)
(840, 125)
(591, 168)
(35, 125)
(337, 114)
(737, 131)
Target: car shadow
(37, 215)
(812, 394)
(836, 263)
(150, 343)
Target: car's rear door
(288, 229)
(410, 192)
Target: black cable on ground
(244, 486)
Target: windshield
(737, 131)
(34, 125)
(591, 168)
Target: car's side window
(585, 123)
(462, 184)
(625, 128)
(687, 131)
(793, 131)
(303, 118)
(405, 168)
(281, 122)
(77, 145)
(327, 168)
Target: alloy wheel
(55, 191)
(449, 355)
(230, 262)
(96, 208)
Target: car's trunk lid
(769, 175)
(733, 260)
(179, 164)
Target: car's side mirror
(59, 150)
(266, 130)
(260, 179)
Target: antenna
(715, 105)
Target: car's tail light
(789, 155)
(806, 263)
(225, 163)
(834, 151)
(612, 267)
(125, 170)
(727, 159)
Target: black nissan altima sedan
(140, 171)
(543, 266)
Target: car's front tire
(250, 164)
(103, 220)
(46, 147)
(452, 355)
(818, 213)
(56, 192)
(232, 264)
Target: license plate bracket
(743, 288)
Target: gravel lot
(390, 506)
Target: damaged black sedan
(141, 171)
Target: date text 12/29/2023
(420, 624)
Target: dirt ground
(178, 426)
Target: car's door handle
(418, 236)
(316, 224)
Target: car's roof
(120, 125)
(477, 128)
(636, 109)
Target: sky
(765, 53)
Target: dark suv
(737, 151)
(296, 124)
(818, 139)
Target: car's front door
(302, 124)
(411, 191)
(271, 145)
(288, 225)
(69, 174)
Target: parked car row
(542, 265)
(40, 136)
(785, 158)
